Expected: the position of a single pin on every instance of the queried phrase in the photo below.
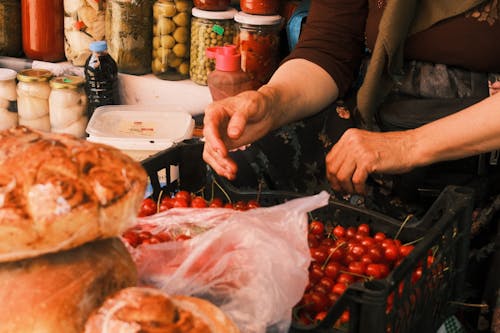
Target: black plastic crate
(419, 306)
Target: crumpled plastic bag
(252, 264)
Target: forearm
(469, 132)
(297, 89)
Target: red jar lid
(260, 7)
(212, 4)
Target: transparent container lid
(140, 127)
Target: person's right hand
(234, 122)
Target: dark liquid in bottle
(101, 76)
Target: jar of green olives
(129, 32)
(171, 34)
(208, 29)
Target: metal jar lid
(67, 82)
(7, 74)
(34, 75)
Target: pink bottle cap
(227, 58)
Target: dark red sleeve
(333, 38)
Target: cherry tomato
(350, 232)
(166, 203)
(253, 204)
(379, 236)
(357, 267)
(132, 238)
(315, 272)
(405, 250)
(364, 229)
(316, 227)
(319, 254)
(198, 202)
(180, 203)
(182, 237)
(216, 203)
(319, 301)
(332, 269)
(344, 317)
(391, 253)
(339, 232)
(339, 288)
(320, 316)
(183, 195)
(148, 207)
(378, 271)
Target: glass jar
(8, 97)
(208, 29)
(258, 38)
(129, 32)
(171, 34)
(33, 91)
(68, 105)
(260, 7)
(83, 24)
(43, 29)
(10, 27)
(212, 4)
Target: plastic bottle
(228, 79)
(101, 77)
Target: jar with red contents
(260, 7)
(212, 4)
(43, 29)
(258, 38)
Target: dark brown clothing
(338, 32)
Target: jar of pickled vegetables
(208, 29)
(10, 27)
(83, 24)
(260, 7)
(212, 4)
(129, 34)
(171, 34)
(33, 91)
(68, 105)
(258, 38)
(43, 29)
(8, 97)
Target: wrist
(271, 99)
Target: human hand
(494, 87)
(360, 153)
(231, 123)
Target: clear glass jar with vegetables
(68, 105)
(8, 98)
(33, 91)
(83, 24)
(208, 29)
(10, 27)
(129, 32)
(171, 34)
(258, 38)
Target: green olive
(180, 50)
(183, 68)
(182, 19)
(173, 61)
(167, 41)
(182, 6)
(165, 26)
(181, 34)
(165, 9)
(156, 42)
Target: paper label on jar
(218, 29)
(3, 28)
(138, 128)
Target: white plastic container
(140, 130)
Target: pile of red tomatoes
(341, 257)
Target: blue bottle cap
(98, 46)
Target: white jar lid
(245, 18)
(214, 14)
(7, 74)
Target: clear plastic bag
(253, 264)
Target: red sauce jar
(260, 7)
(212, 4)
(43, 29)
(258, 39)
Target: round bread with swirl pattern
(58, 192)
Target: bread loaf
(148, 310)
(58, 192)
(57, 292)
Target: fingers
(220, 161)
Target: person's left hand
(360, 153)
